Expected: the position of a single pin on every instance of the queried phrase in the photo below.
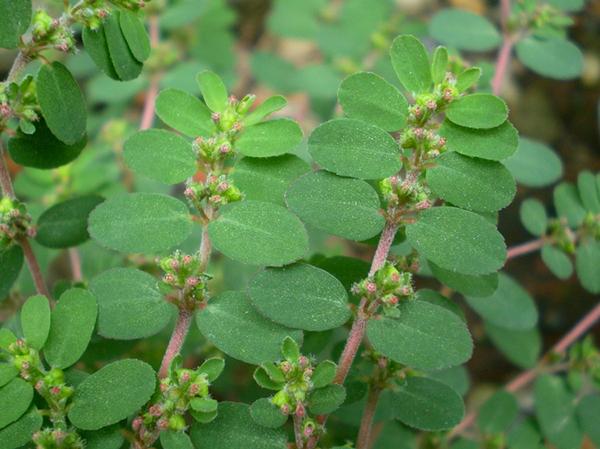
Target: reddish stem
(524, 248)
(298, 432)
(383, 247)
(34, 268)
(75, 261)
(504, 57)
(150, 102)
(5, 181)
(364, 434)
(184, 320)
(526, 377)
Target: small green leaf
(368, 97)
(11, 261)
(204, 405)
(202, 417)
(437, 299)
(427, 404)
(289, 349)
(411, 64)
(212, 367)
(345, 207)
(213, 90)
(15, 398)
(497, 413)
(135, 34)
(439, 64)
(464, 30)
(96, 46)
(15, 17)
(266, 108)
(268, 179)
(470, 183)
(553, 57)
(35, 321)
(265, 414)
(327, 399)
(72, 323)
(106, 438)
(129, 304)
(458, 240)
(62, 103)
(172, 439)
(354, 148)
(184, 113)
(111, 394)
(124, 63)
(41, 149)
(258, 233)
(456, 377)
(568, 204)
(473, 285)
(588, 191)
(525, 435)
(468, 78)
(233, 326)
(65, 224)
(272, 138)
(494, 144)
(424, 336)
(19, 433)
(324, 374)
(479, 111)
(534, 164)
(510, 306)
(6, 338)
(300, 296)
(554, 408)
(8, 372)
(533, 216)
(557, 261)
(587, 264)
(588, 411)
(160, 155)
(262, 378)
(140, 222)
(235, 428)
(521, 347)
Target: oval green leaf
(265, 414)
(368, 97)
(129, 304)
(458, 240)
(15, 398)
(258, 233)
(473, 285)
(424, 336)
(521, 347)
(213, 90)
(479, 111)
(96, 46)
(11, 259)
(19, 433)
(553, 57)
(233, 326)
(510, 306)
(15, 17)
(235, 428)
(65, 224)
(494, 144)
(534, 164)
(35, 321)
(300, 296)
(184, 112)
(72, 323)
(135, 34)
(140, 223)
(111, 394)
(125, 64)
(533, 216)
(411, 64)
(470, 183)
(464, 30)
(497, 413)
(427, 404)
(160, 155)
(272, 138)
(346, 207)
(354, 148)
(587, 263)
(557, 261)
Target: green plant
(418, 167)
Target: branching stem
(366, 423)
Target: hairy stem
(505, 53)
(152, 93)
(5, 181)
(298, 432)
(364, 434)
(184, 320)
(75, 261)
(526, 377)
(34, 268)
(18, 65)
(524, 248)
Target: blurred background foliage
(303, 49)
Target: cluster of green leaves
(538, 29)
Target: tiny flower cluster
(52, 32)
(182, 391)
(562, 235)
(184, 275)
(15, 222)
(57, 439)
(19, 101)
(217, 191)
(388, 285)
(408, 193)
